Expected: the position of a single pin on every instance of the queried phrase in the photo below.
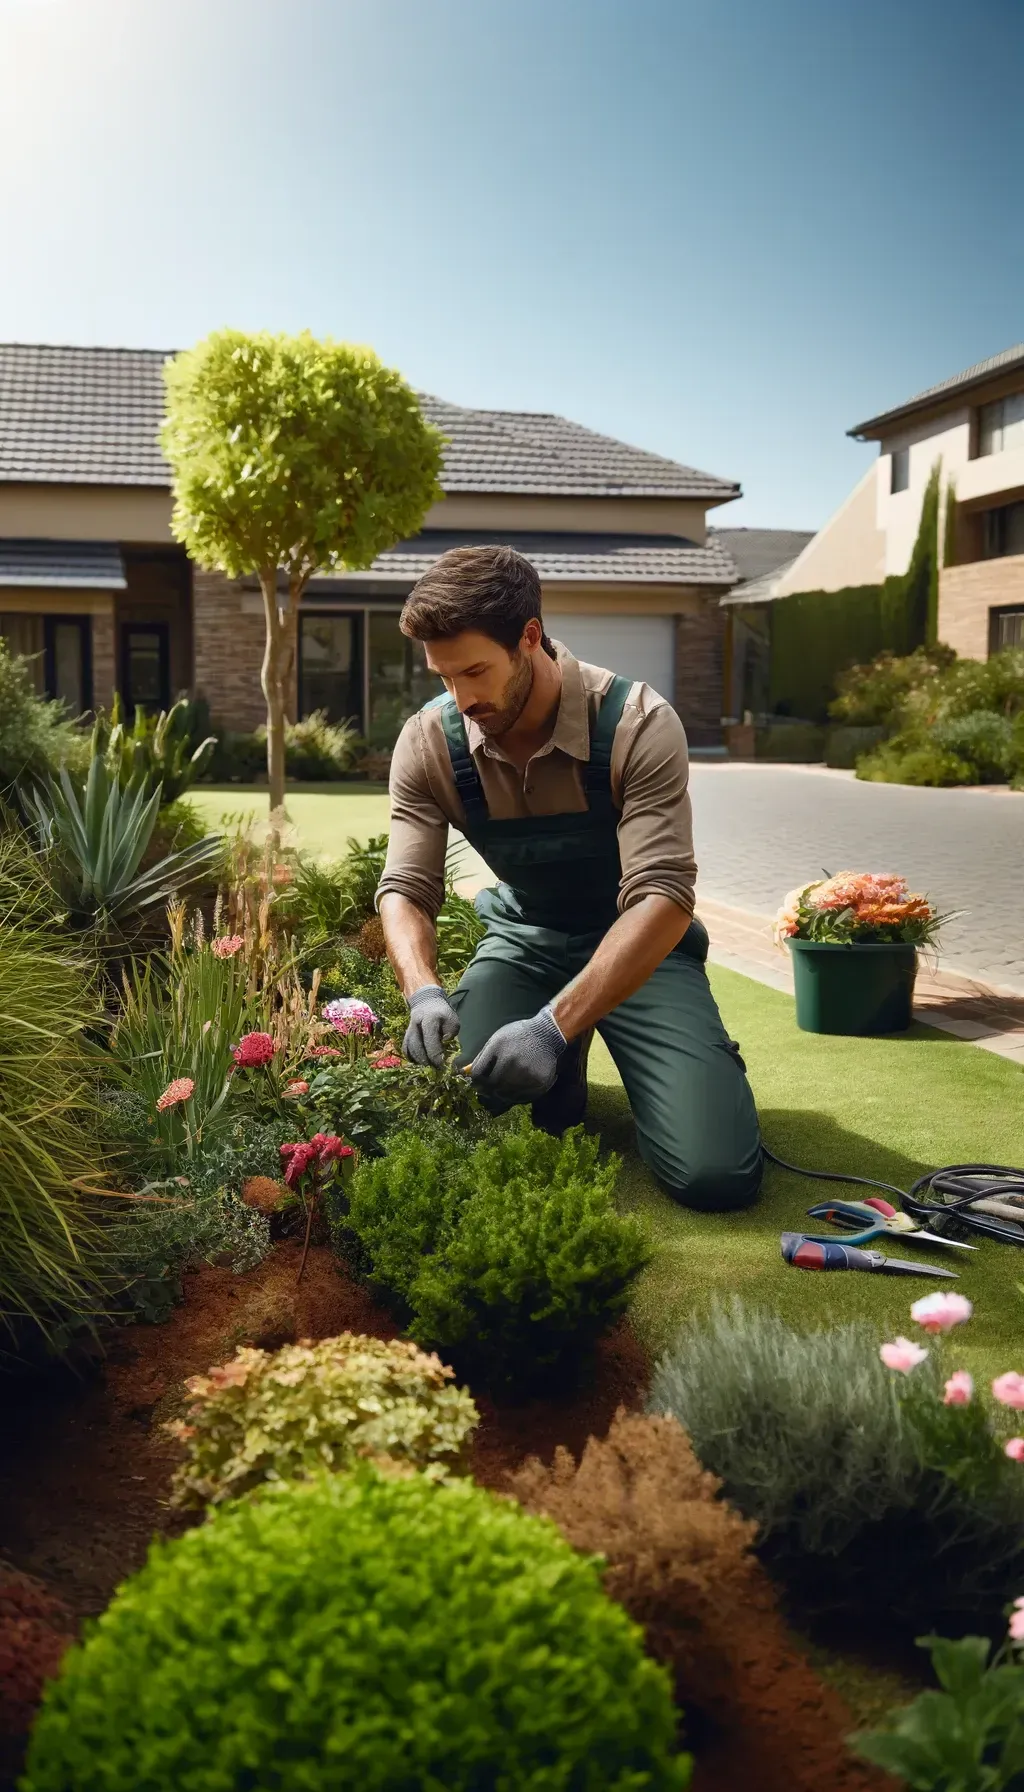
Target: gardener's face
(490, 685)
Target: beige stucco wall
(849, 550)
(627, 516)
(85, 513)
(968, 593)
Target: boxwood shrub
(366, 1633)
(509, 1256)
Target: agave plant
(95, 843)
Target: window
(67, 661)
(1001, 425)
(145, 666)
(1006, 629)
(1002, 531)
(331, 666)
(399, 681)
(900, 470)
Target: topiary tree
(362, 1634)
(291, 456)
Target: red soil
(85, 1476)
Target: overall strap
(467, 778)
(597, 773)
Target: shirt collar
(571, 733)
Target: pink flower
(323, 1051)
(1008, 1389)
(940, 1312)
(228, 946)
(385, 1061)
(347, 1014)
(959, 1389)
(175, 1093)
(902, 1354)
(1015, 1451)
(321, 1150)
(253, 1050)
(1016, 1625)
(292, 1091)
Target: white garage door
(635, 646)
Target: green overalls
(694, 1113)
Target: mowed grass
(891, 1108)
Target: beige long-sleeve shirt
(649, 777)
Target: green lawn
(887, 1107)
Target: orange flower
(175, 1093)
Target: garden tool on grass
(817, 1253)
(986, 1199)
(874, 1218)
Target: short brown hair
(492, 589)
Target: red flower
(385, 1061)
(321, 1150)
(323, 1051)
(253, 1051)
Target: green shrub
(315, 750)
(874, 694)
(366, 1103)
(155, 751)
(903, 762)
(844, 746)
(36, 737)
(861, 1502)
(51, 1248)
(983, 739)
(309, 1407)
(510, 1256)
(364, 1633)
(967, 1738)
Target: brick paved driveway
(762, 829)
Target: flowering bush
(309, 1407)
(872, 1489)
(866, 907)
(361, 1633)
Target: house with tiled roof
(971, 426)
(94, 587)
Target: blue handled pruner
(869, 1221)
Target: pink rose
(1015, 1451)
(1008, 1389)
(959, 1389)
(940, 1312)
(902, 1354)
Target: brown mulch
(86, 1469)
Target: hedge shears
(874, 1218)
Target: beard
(514, 699)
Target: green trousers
(696, 1125)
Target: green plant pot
(853, 989)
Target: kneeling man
(571, 783)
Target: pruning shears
(874, 1218)
(816, 1253)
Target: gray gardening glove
(520, 1060)
(433, 1023)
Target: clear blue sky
(724, 229)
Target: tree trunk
(273, 678)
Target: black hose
(956, 1187)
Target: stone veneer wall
(700, 645)
(229, 634)
(967, 594)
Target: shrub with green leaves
(293, 1413)
(36, 736)
(366, 1102)
(984, 739)
(868, 1492)
(968, 1737)
(509, 1256)
(361, 1633)
(909, 761)
(876, 693)
(155, 751)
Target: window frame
(901, 457)
(84, 626)
(356, 614)
(162, 631)
(995, 617)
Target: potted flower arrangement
(854, 940)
